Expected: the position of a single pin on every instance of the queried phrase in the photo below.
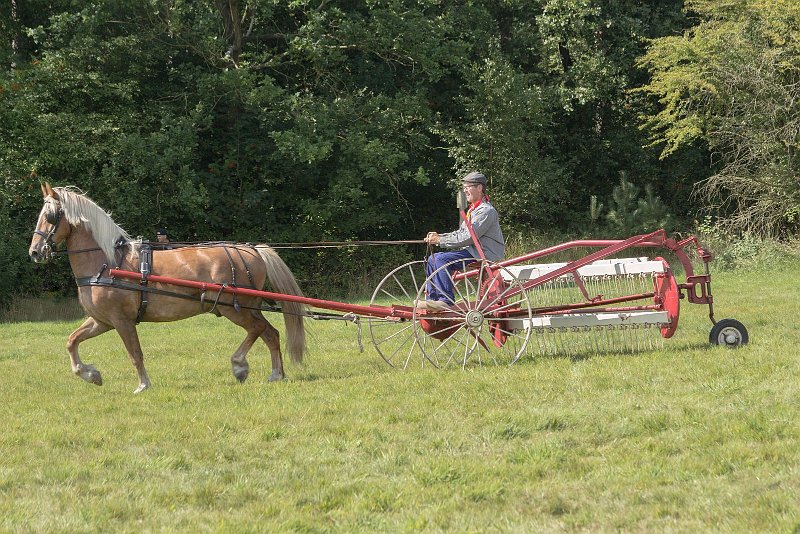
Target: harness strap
(145, 268)
(244, 263)
(110, 281)
(236, 305)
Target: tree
(266, 120)
(733, 83)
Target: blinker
(53, 216)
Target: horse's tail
(283, 281)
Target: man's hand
(432, 238)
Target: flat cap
(474, 178)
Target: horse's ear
(50, 191)
(44, 190)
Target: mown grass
(688, 438)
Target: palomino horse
(95, 243)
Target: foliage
(628, 213)
(744, 250)
(731, 82)
(276, 121)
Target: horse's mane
(81, 210)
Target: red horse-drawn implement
(499, 305)
(597, 303)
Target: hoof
(241, 375)
(141, 388)
(90, 374)
(276, 377)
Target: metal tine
(574, 341)
(644, 332)
(596, 339)
(627, 339)
(588, 339)
(559, 342)
(552, 341)
(548, 336)
(614, 338)
(563, 334)
(566, 338)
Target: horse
(94, 242)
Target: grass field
(688, 438)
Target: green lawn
(686, 438)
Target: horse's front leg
(127, 331)
(90, 328)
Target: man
(485, 223)
(161, 235)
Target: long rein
(157, 245)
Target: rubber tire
(729, 324)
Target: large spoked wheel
(395, 339)
(488, 324)
(729, 333)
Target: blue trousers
(440, 287)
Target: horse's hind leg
(254, 328)
(90, 328)
(271, 337)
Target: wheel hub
(474, 319)
(730, 337)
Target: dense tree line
(309, 120)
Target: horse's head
(51, 227)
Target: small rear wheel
(729, 333)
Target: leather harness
(146, 268)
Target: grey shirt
(486, 224)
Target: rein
(79, 251)
(288, 245)
(282, 245)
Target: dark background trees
(269, 121)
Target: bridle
(54, 218)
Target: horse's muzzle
(42, 256)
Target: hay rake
(598, 303)
(595, 304)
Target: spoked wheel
(395, 339)
(488, 324)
